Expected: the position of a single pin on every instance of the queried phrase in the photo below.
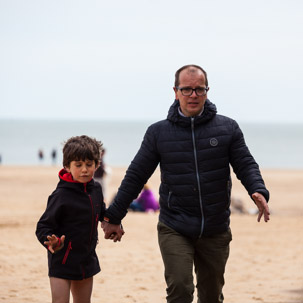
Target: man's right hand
(112, 231)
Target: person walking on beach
(54, 156)
(102, 174)
(40, 155)
(195, 147)
(68, 227)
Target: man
(194, 147)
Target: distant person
(195, 147)
(40, 155)
(68, 227)
(102, 173)
(146, 202)
(54, 156)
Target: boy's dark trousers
(180, 253)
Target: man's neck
(181, 114)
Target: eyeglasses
(187, 91)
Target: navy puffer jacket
(195, 155)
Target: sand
(265, 264)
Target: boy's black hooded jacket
(195, 155)
(74, 210)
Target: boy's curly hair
(81, 148)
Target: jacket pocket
(69, 248)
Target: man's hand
(54, 243)
(112, 231)
(262, 206)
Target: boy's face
(82, 171)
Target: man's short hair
(177, 74)
(81, 148)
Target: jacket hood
(209, 112)
(66, 176)
(66, 180)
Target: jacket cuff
(263, 192)
(111, 220)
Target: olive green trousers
(206, 255)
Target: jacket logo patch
(213, 142)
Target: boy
(68, 227)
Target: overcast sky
(106, 60)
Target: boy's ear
(67, 169)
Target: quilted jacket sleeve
(47, 224)
(245, 166)
(137, 174)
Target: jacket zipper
(197, 174)
(92, 208)
(69, 248)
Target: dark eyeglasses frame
(193, 90)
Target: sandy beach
(265, 264)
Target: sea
(274, 146)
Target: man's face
(191, 105)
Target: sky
(116, 60)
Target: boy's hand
(112, 231)
(54, 243)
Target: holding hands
(54, 243)
(112, 231)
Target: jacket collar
(66, 176)
(66, 181)
(208, 113)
